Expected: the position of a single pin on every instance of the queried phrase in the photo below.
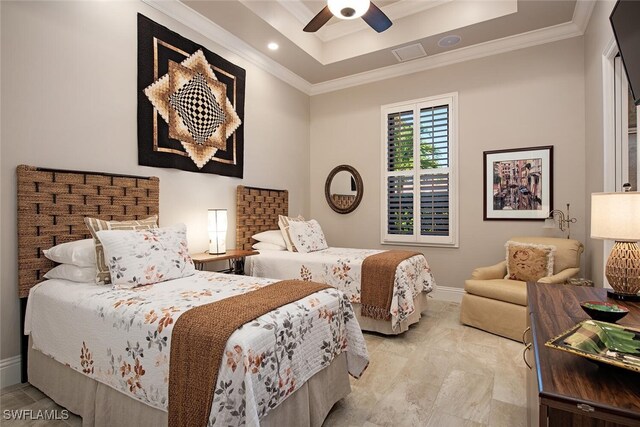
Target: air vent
(407, 53)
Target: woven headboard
(258, 210)
(52, 205)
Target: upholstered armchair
(498, 305)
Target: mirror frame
(359, 188)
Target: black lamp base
(623, 297)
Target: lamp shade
(615, 216)
(217, 227)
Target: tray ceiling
(344, 48)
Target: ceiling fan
(350, 9)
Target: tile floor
(437, 374)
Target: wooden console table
(567, 390)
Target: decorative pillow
(283, 223)
(73, 273)
(529, 262)
(265, 246)
(272, 236)
(307, 236)
(144, 257)
(81, 253)
(94, 225)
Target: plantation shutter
(400, 205)
(418, 184)
(434, 164)
(400, 141)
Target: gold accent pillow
(283, 224)
(94, 225)
(529, 262)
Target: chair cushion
(512, 291)
(529, 262)
(567, 251)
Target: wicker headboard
(52, 205)
(258, 210)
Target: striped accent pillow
(283, 224)
(94, 225)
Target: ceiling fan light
(348, 9)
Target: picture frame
(518, 184)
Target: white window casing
(419, 186)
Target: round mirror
(343, 189)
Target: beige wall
(596, 38)
(525, 98)
(69, 101)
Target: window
(419, 172)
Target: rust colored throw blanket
(200, 336)
(376, 285)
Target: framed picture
(518, 183)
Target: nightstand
(235, 257)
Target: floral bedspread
(341, 268)
(122, 337)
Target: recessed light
(273, 46)
(449, 41)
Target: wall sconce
(616, 216)
(558, 219)
(217, 227)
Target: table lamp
(217, 226)
(616, 216)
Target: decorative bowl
(604, 311)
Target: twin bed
(103, 352)
(258, 210)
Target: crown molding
(298, 10)
(582, 13)
(481, 50)
(209, 29)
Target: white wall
(525, 98)
(69, 84)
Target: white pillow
(72, 273)
(307, 236)
(144, 257)
(81, 253)
(272, 236)
(283, 224)
(265, 246)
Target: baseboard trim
(9, 371)
(448, 293)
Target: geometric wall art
(190, 104)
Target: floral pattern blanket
(122, 338)
(341, 268)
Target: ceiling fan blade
(376, 18)
(319, 20)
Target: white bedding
(121, 337)
(340, 268)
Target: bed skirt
(100, 405)
(384, 326)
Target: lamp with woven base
(616, 216)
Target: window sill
(422, 244)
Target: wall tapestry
(190, 104)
